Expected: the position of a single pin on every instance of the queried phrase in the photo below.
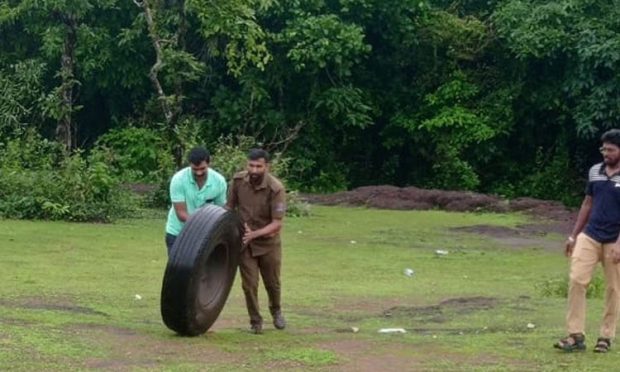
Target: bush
(30, 151)
(22, 95)
(558, 287)
(295, 207)
(230, 157)
(450, 172)
(159, 197)
(328, 180)
(135, 154)
(553, 179)
(139, 156)
(73, 188)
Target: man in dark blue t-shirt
(598, 242)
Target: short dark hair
(199, 154)
(611, 136)
(256, 154)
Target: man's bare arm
(582, 219)
(181, 210)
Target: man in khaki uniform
(260, 199)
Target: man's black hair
(256, 154)
(611, 136)
(199, 154)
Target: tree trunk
(171, 114)
(65, 129)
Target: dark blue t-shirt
(604, 222)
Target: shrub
(558, 287)
(451, 172)
(35, 185)
(159, 197)
(22, 95)
(30, 151)
(135, 154)
(553, 179)
(230, 157)
(295, 206)
(142, 156)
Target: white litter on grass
(353, 242)
(392, 330)
(441, 252)
(409, 272)
(300, 232)
(355, 329)
(138, 297)
(531, 325)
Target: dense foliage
(503, 96)
(38, 181)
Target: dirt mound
(405, 198)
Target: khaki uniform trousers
(269, 267)
(586, 254)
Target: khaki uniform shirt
(258, 206)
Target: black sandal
(602, 345)
(574, 342)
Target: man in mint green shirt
(191, 188)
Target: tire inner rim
(213, 277)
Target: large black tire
(201, 270)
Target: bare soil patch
(526, 231)
(131, 349)
(51, 303)
(358, 355)
(523, 236)
(465, 305)
(407, 198)
(547, 216)
(436, 313)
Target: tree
(167, 22)
(56, 26)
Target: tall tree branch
(159, 59)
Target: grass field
(68, 299)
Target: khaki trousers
(269, 267)
(586, 254)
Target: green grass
(68, 299)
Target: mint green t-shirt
(183, 188)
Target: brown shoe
(278, 320)
(256, 328)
